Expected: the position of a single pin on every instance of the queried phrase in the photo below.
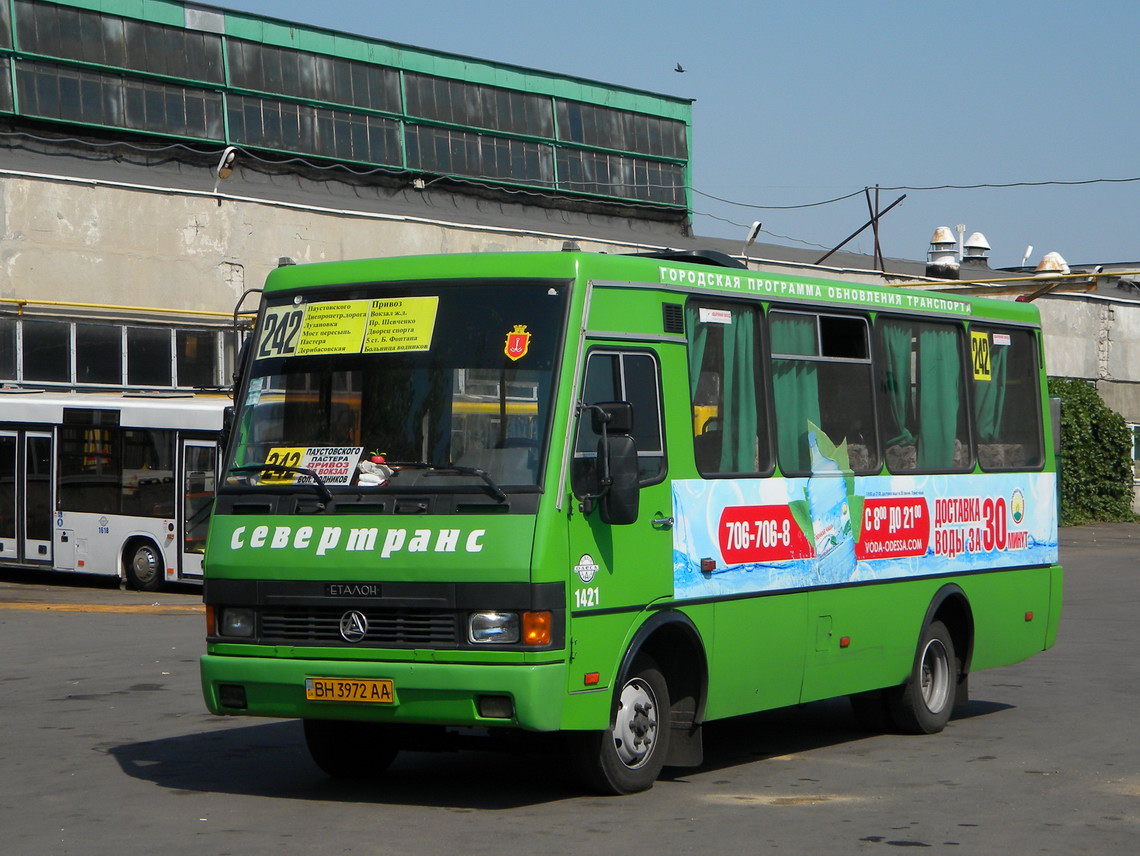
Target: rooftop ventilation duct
(976, 252)
(976, 246)
(942, 258)
(1052, 265)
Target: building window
(7, 349)
(147, 72)
(5, 27)
(42, 351)
(148, 356)
(335, 134)
(315, 77)
(1135, 430)
(87, 36)
(460, 103)
(450, 151)
(99, 354)
(197, 358)
(91, 97)
(46, 351)
(605, 127)
(607, 174)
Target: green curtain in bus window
(698, 341)
(939, 367)
(795, 388)
(896, 339)
(738, 452)
(737, 421)
(989, 398)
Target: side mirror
(227, 428)
(619, 504)
(612, 417)
(618, 490)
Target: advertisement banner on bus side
(737, 536)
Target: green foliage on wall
(1096, 456)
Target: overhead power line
(980, 186)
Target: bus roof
(664, 273)
(191, 412)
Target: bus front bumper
(422, 693)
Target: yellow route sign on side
(980, 354)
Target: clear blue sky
(803, 101)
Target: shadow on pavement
(269, 759)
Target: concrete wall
(95, 241)
(82, 242)
(1099, 340)
(1096, 339)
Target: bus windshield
(403, 386)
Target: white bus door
(9, 504)
(199, 477)
(38, 492)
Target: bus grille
(387, 628)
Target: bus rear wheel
(144, 566)
(628, 756)
(354, 751)
(924, 703)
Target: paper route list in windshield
(348, 327)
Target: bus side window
(923, 414)
(730, 427)
(821, 376)
(630, 376)
(1007, 403)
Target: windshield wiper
(317, 483)
(489, 483)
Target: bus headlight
(236, 621)
(491, 627)
(509, 628)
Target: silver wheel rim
(145, 564)
(635, 729)
(935, 676)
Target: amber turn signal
(536, 628)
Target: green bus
(615, 497)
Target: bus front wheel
(355, 751)
(923, 704)
(628, 756)
(144, 566)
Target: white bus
(116, 484)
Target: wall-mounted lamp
(225, 167)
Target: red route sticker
(894, 528)
(761, 533)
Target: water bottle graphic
(831, 518)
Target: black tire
(354, 751)
(924, 703)
(628, 756)
(143, 564)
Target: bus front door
(616, 567)
(199, 474)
